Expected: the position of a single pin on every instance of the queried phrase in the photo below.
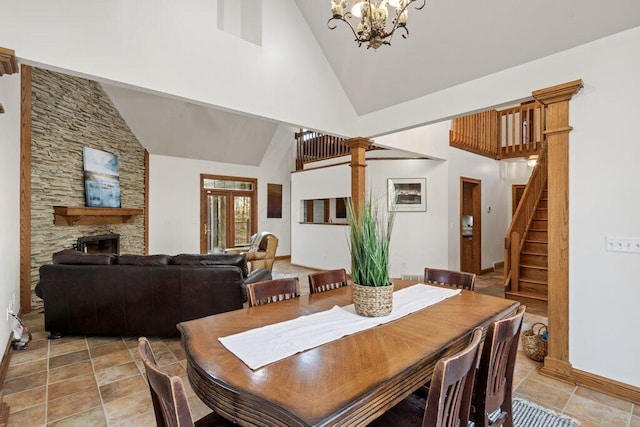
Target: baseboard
(607, 386)
(558, 369)
(307, 267)
(4, 367)
(283, 258)
(487, 270)
(564, 371)
(498, 265)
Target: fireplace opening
(103, 244)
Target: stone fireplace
(103, 244)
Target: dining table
(348, 381)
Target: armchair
(261, 253)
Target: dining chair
(491, 404)
(457, 279)
(275, 290)
(449, 400)
(327, 280)
(169, 397)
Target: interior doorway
(470, 225)
(517, 190)
(228, 212)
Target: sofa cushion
(144, 259)
(238, 260)
(72, 257)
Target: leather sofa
(135, 295)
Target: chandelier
(372, 16)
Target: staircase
(532, 285)
(525, 255)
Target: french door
(228, 212)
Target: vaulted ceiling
(454, 41)
(450, 42)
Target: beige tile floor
(98, 381)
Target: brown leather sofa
(132, 295)
(261, 253)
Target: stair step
(523, 294)
(537, 236)
(534, 281)
(541, 214)
(533, 288)
(540, 224)
(534, 266)
(535, 247)
(532, 258)
(534, 274)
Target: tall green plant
(369, 244)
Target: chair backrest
(457, 279)
(326, 280)
(494, 380)
(167, 393)
(449, 398)
(275, 290)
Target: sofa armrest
(258, 275)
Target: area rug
(410, 411)
(528, 414)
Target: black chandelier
(372, 16)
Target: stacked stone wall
(69, 113)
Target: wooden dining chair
(169, 397)
(275, 290)
(457, 279)
(327, 280)
(449, 400)
(491, 404)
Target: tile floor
(98, 381)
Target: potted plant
(369, 246)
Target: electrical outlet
(9, 313)
(622, 244)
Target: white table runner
(260, 346)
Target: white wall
(418, 238)
(317, 245)
(174, 196)
(603, 176)
(10, 196)
(180, 52)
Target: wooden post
(25, 190)
(358, 148)
(556, 99)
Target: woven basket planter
(373, 301)
(533, 345)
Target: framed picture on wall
(407, 194)
(101, 178)
(274, 200)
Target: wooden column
(556, 99)
(25, 190)
(358, 148)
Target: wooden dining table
(349, 381)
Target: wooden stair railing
(313, 146)
(521, 130)
(478, 133)
(513, 132)
(521, 223)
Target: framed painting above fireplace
(101, 179)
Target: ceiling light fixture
(372, 16)
(532, 160)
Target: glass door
(216, 223)
(228, 212)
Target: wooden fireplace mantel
(69, 215)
